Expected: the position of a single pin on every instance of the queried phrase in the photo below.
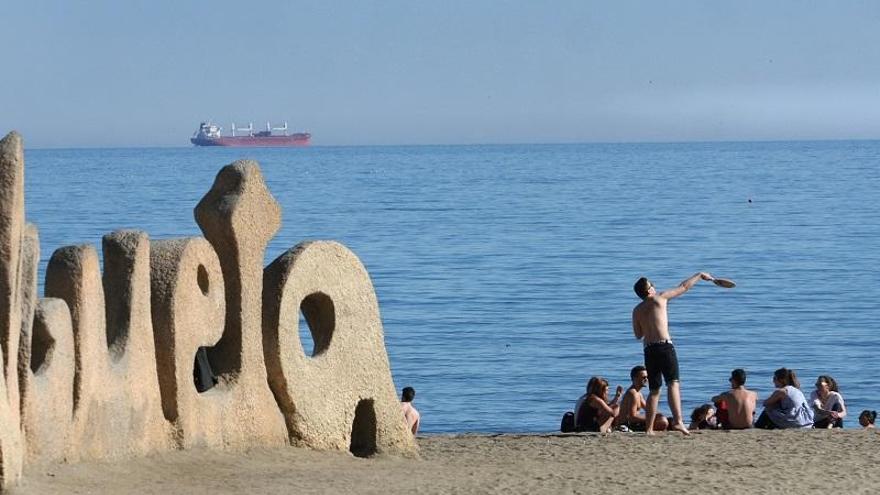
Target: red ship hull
(293, 140)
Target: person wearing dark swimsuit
(594, 412)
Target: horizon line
(413, 145)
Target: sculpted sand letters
(339, 395)
(102, 367)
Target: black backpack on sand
(567, 425)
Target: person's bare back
(650, 320)
(741, 402)
(741, 405)
(410, 414)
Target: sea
(504, 273)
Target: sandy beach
(810, 461)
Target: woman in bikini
(596, 412)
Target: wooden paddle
(724, 282)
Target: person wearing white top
(828, 406)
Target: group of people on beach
(786, 407)
(733, 409)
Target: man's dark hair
(641, 287)
(635, 371)
(408, 395)
(738, 376)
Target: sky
(145, 73)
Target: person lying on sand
(594, 412)
(633, 404)
(651, 325)
(703, 418)
(739, 402)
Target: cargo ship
(209, 135)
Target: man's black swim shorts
(661, 360)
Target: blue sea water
(504, 273)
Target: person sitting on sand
(410, 413)
(786, 407)
(738, 402)
(703, 418)
(633, 403)
(593, 411)
(866, 419)
(828, 407)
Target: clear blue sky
(144, 73)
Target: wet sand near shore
(808, 461)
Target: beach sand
(809, 461)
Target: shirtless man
(740, 401)
(633, 403)
(410, 414)
(651, 325)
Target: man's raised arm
(685, 285)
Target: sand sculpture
(102, 366)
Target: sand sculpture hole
(42, 346)
(203, 373)
(202, 279)
(319, 315)
(363, 429)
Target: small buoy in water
(750, 200)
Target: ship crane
(249, 129)
(269, 128)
